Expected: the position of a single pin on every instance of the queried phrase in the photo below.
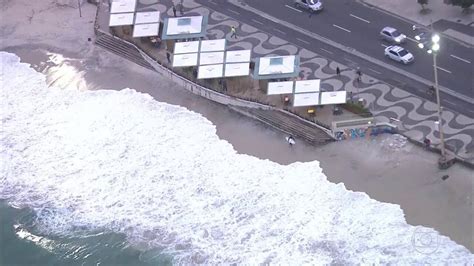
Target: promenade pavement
(449, 19)
(417, 116)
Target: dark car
(424, 39)
(311, 5)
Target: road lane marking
(446, 101)
(384, 45)
(353, 52)
(290, 7)
(212, 3)
(339, 27)
(411, 39)
(280, 31)
(445, 70)
(302, 40)
(327, 51)
(233, 11)
(462, 59)
(364, 20)
(256, 21)
(375, 71)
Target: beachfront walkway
(416, 115)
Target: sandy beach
(405, 175)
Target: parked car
(311, 5)
(399, 54)
(392, 35)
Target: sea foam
(120, 161)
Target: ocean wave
(120, 161)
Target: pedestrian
(174, 10)
(224, 85)
(359, 75)
(338, 71)
(181, 8)
(290, 140)
(427, 143)
(431, 90)
(234, 32)
(168, 56)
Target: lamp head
(421, 45)
(435, 38)
(435, 47)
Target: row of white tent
(214, 62)
(306, 92)
(212, 59)
(123, 13)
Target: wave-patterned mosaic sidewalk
(417, 116)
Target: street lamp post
(443, 161)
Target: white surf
(120, 161)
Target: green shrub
(358, 109)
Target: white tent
(185, 60)
(213, 45)
(312, 85)
(237, 69)
(281, 87)
(184, 25)
(147, 17)
(122, 19)
(333, 97)
(123, 6)
(144, 30)
(210, 71)
(306, 99)
(237, 56)
(186, 47)
(211, 58)
(276, 65)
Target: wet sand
(407, 176)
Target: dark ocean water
(21, 245)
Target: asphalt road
(355, 25)
(343, 22)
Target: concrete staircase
(289, 124)
(122, 49)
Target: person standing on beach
(290, 140)
(338, 71)
(234, 32)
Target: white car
(311, 5)
(392, 35)
(399, 54)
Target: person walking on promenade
(338, 71)
(234, 32)
(359, 75)
(427, 143)
(174, 10)
(168, 56)
(181, 8)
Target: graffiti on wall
(354, 133)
